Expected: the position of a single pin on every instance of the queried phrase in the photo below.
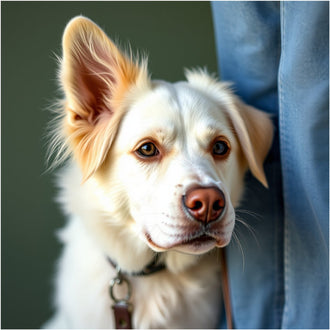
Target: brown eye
(220, 148)
(148, 150)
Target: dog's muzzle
(204, 204)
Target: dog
(153, 175)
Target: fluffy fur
(126, 205)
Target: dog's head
(169, 158)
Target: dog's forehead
(169, 111)
(178, 104)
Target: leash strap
(123, 315)
(226, 289)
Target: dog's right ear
(253, 128)
(95, 76)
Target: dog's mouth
(200, 244)
(193, 238)
(198, 241)
(195, 245)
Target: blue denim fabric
(277, 55)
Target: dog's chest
(162, 300)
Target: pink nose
(204, 204)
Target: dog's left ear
(254, 130)
(95, 76)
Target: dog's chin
(197, 246)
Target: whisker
(249, 228)
(255, 215)
(236, 239)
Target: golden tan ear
(95, 75)
(254, 130)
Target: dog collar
(153, 267)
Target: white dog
(155, 173)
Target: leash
(122, 308)
(226, 289)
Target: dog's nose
(204, 204)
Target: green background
(174, 34)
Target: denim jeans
(277, 56)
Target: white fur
(130, 207)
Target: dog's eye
(148, 150)
(220, 148)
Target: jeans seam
(276, 259)
(285, 166)
(279, 278)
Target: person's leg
(248, 44)
(304, 132)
